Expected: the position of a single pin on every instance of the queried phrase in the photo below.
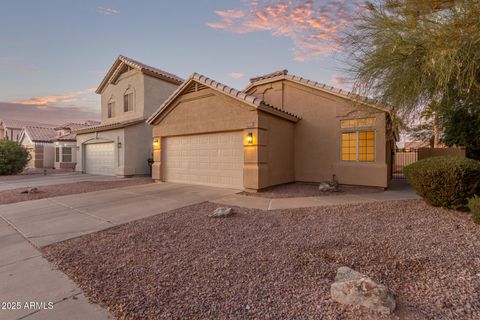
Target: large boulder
(353, 288)
(328, 186)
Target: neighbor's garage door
(100, 158)
(211, 159)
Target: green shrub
(13, 157)
(445, 181)
(474, 206)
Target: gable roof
(123, 62)
(39, 134)
(236, 94)
(283, 75)
(20, 124)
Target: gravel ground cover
(279, 264)
(29, 172)
(299, 189)
(16, 195)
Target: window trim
(127, 93)
(356, 131)
(71, 155)
(110, 108)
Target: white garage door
(210, 159)
(100, 158)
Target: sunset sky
(53, 54)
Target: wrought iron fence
(400, 159)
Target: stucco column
(157, 158)
(255, 171)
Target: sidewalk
(398, 191)
(25, 277)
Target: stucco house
(52, 146)
(122, 143)
(65, 143)
(11, 129)
(281, 128)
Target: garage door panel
(100, 158)
(211, 159)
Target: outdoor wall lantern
(250, 138)
(119, 145)
(156, 144)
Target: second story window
(128, 101)
(110, 108)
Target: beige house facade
(280, 129)
(122, 143)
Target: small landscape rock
(222, 212)
(31, 190)
(328, 186)
(353, 288)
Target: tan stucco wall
(131, 157)
(42, 154)
(278, 139)
(133, 79)
(138, 148)
(115, 136)
(149, 94)
(267, 161)
(317, 146)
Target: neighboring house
(11, 129)
(122, 144)
(38, 141)
(65, 143)
(281, 129)
(52, 146)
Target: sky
(54, 53)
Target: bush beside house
(13, 157)
(474, 206)
(445, 181)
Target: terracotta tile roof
(279, 75)
(73, 126)
(122, 60)
(110, 126)
(40, 134)
(270, 75)
(240, 95)
(66, 137)
(20, 124)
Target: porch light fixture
(156, 144)
(250, 138)
(119, 145)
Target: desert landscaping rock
(280, 263)
(301, 189)
(222, 212)
(353, 288)
(328, 186)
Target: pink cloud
(67, 98)
(19, 67)
(340, 81)
(236, 75)
(311, 25)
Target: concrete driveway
(25, 276)
(15, 182)
(52, 220)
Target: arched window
(128, 100)
(110, 108)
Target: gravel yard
(299, 189)
(279, 264)
(16, 195)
